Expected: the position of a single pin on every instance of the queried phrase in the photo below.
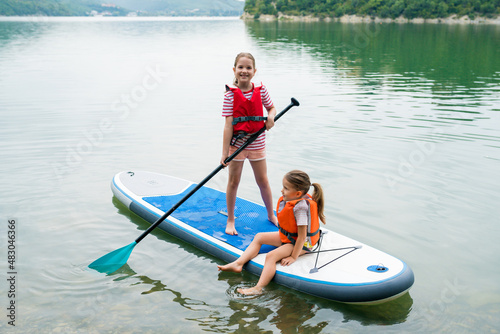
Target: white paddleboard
(342, 269)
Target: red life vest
(248, 115)
(288, 224)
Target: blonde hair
(242, 55)
(300, 180)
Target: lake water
(400, 123)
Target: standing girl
(298, 215)
(244, 116)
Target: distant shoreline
(367, 19)
(265, 18)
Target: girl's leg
(235, 168)
(269, 269)
(263, 238)
(260, 172)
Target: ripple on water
(233, 294)
(73, 279)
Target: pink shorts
(251, 155)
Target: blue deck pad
(201, 211)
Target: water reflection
(291, 311)
(19, 32)
(126, 272)
(450, 57)
(391, 84)
(205, 315)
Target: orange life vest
(288, 224)
(248, 115)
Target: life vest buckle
(237, 136)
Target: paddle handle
(254, 136)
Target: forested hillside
(121, 7)
(55, 8)
(379, 8)
(183, 7)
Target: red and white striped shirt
(227, 110)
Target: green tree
(381, 8)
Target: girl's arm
(226, 138)
(271, 113)
(297, 248)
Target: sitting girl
(298, 217)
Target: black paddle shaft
(221, 166)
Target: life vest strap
(293, 241)
(248, 118)
(289, 234)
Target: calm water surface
(399, 123)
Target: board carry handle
(254, 136)
(112, 261)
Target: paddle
(113, 261)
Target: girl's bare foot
(232, 267)
(230, 228)
(256, 290)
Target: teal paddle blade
(111, 262)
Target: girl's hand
(287, 261)
(269, 123)
(271, 113)
(224, 157)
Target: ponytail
(320, 201)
